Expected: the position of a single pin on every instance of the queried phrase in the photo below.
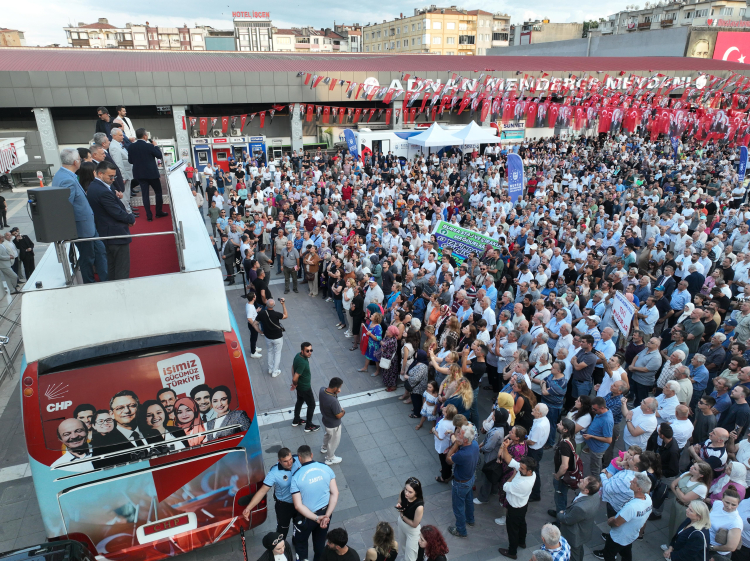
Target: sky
(48, 29)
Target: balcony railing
(644, 25)
(667, 22)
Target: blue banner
(675, 146)
(351, 140)
(743, 163)
(515, 177)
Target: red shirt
(190, 170)
(310, 224)
(347, 192)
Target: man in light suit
(119, 155)
(142, 154)
(6, 271)
(111, 220)
(90, 253)
(221, 399)
(578, 518)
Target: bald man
(74, 435)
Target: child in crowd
(620, 463)
(429, 404)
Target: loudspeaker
(52, 214)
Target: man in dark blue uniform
(279, 477)
(315, 495)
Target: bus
(137, 403)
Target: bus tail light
(28, 392)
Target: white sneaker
(276, 373)
(334, 460)
(664, 547)
(478, 502)
(348, 334)
(500, 521)
(258, 349)
(256, 355)
(324, 450)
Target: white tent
(435, 136)
(474, 134)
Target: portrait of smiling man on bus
(124, 409)
(74, 435)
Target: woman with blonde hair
(452, 332)
(450, 382)
(693, 536)
(384, 544)
(442, 370)
(462, 398)
(690, 486)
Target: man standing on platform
(143, 155)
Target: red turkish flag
(243, 119)
(388, 116)
(309, 116)
(531, 109)
(396, 115)
(413, 114)
(342, 112)
(552, 111)
(605, 118)
(203, 126)
(357, 114)
(485, 109)
(262, 119)
(372, 114)
(332, 85)
(388, 96)
(424, 101)
(317, 81)
(307, 78)
(359, 89)
(224, 124)
(326, 114)
(434, 112)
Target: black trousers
(27, 258)
(612, 548)
(253, 338)
(307, 397)
(229, 266)
(303, 527)
(4, 214)
(537, 489)
(516, 524)
(493, 378)
(284, 515)
(445, 468)
(118, 261)
(155, 184)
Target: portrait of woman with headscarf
(188, 419)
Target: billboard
(733, 46)
(701, 44)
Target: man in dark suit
(111, 220)
(227, 255)
(578, 518)
(102, 123)
(142, 154)
(100, 153)
(668, 281)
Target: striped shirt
(616, 490)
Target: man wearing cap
(374, 294)
(591, 323)
(279, 477)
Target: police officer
(315, 495)
(280, 478)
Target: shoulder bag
(573, 476)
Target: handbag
(385, 363)
(573, 476)
(407, 386)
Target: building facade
(253, 32)
(11, 38)
(663, 15)
(442, 31)
(103, 35)
(542, 31)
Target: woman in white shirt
(690, 486)
(726, 523)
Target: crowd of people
(650, 419)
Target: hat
(660, 288)
(597, 319)
(372, 279)
(533, 246)
(731, 323)
(272, 539)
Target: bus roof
(59, 318)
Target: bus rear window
(166, 401)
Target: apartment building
(253, 31)
(660, 15)
(311, 40)
(434, 30)
(11, 38)
(103, 35)
(543, 31)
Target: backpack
(574, 475)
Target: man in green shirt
(301, 382)
(213, 215)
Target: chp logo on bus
(181, 373)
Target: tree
(591, 24)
